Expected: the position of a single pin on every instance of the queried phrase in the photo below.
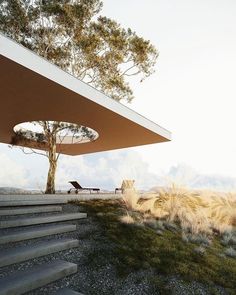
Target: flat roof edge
(29, 59)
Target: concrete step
(8, 197)
(20, 254)
(29, 210)
(41, 219)
(66, 291)
(12, 203)
(25, 281)
(33, 233)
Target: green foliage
(23, 137)
(74, 36)
(52, 132)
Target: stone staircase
(28, 219)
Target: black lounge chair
(77, 187)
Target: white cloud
(106, 170)
(11, 173)
(185, 175)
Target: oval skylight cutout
(66, 133)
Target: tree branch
(32, 152)
(133, 66)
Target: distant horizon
(180, 175)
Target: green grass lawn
(140, 247)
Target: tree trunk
(52, 157)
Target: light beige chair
(127, 184)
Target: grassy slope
(139, 247)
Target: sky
(192, 94)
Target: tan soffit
(31, 89)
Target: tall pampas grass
(130, 198)
(196, 212)
(222, 212)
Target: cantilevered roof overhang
(32, 89)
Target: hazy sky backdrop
(192, 94)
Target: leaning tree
(73, 35)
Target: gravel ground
(96, 274)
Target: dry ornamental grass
(198, 213)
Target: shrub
(200, 250)
(228, 239)
(230, 252)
